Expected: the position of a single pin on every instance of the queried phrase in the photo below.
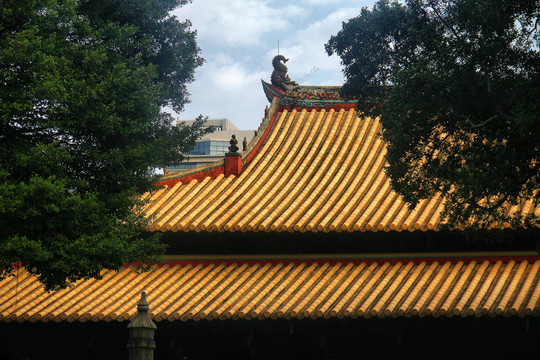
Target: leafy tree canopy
(81, 132)
(457, 86)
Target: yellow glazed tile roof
(316, 171)
(281, 289)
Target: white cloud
(238, 39)
(237, 23)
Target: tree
(457, 86)
(82, 85)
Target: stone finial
(233, 148)
(141, 342)
(244, 144)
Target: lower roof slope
(319, 289)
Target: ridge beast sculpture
(279, 76)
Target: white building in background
(212, 147)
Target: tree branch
(473, 125)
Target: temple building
(296, 247)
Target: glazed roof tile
(318, 289)
(317, 170)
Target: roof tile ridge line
(291, 185)
(407, 292)
(430, 280)
(197, 298)
(169, 206)
(353, 284)
(509, 287)
(20, 275)
(125, 294)
(278, 287)
(254, 206)
(233, 294)
(255, 295)
(382, 217)
(447, 274)
(305, 292)
(299, 191)
(194, 284)
(212, 221)
(376, 187)
(408, 305)
(265, 127)
(473, 286)
(448, 287)
(148, 202)
(214, 291)
(161, 197)
(270, 164)
(67, 303)
(166, 222)
(379, 292)
(338, 180)
(319, 292)
(370, 178)
(181, 207)
(151, 282)
(207, 195)
(325, 290)
(205, 208)
(293, 292)
(434, 304)
(267, 215)
(48, 299)
(326, 169)
(434, 207)
(527, 287)
(377, 202)
(459, 287)
(79, 310)
(381, 305)
(362, 177)
(23, 299)
(99, 307)
(343, 280)
(19, 286)
(266, 298)
(496, 290)
(487, 285)
(311, 134)
(245, 293)
(185, 274)
(259, 163)
(535, 294)
(349, 183)
(178, 192)
(366, 290)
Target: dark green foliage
(457, 85)
(81, 132)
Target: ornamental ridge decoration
(292, 94)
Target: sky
(238, 40)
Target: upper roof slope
(320, 167)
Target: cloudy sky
(239, 38)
